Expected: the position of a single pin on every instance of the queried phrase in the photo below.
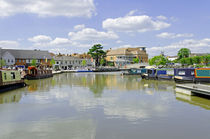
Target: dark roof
(28, 54)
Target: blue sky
(69, 26)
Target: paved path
(196, 88)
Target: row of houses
(23, 58)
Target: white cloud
(128, 46)
(60, 41)
(9, 44)
(90, 34)
(167, 35)
(69, 8)
(131, 12)
(196, 46)
(161, 17)
(79, 27)
(40, 39)
(141, 23)
(118, 41)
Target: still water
(102, 106)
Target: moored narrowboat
(10, 79)
(132, 71)
(165, 74)
(202, 75)
(151, 74)
(34, 73)
(184, 75)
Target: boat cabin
(202, 75)
(183, 75)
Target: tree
(196, 59)
(183, 53)
(206, 59)
(136, 60)
(2, 63)
(102, 62)
(158, 60)
(97, 53)
(83, 62)
(33, 62)
(52, 62)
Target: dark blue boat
(184, 75)
(151, 74)
(165, 74)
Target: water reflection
(10, 97)
(100, 106)
(194, 100)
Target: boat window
(5, 76)
(149, 71)
(181, 73)
(12, 75)
(170, 72)
(154, 71)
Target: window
(12, 61)
(111, 58)
(181, 73)
(12, 75)
(5, 76)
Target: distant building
(172, 58)
(198, 54)
(69, 62)
(124, 56)
(14, 57)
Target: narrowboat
(10, 79)
(84, 70)
(202, 75)
(165, 74)
(132, 71)
(34, 73)
(184, 75)
(150, 74)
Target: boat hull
(29, 77)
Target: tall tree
(183, 53)
(97, 53)
(158, 60)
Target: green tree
(197, 59)
(97, 53)
(102, 62)
(136, 60)
(83, 62)
(183, 53)
(52, 62)
(2, 63)
(158, 60)
(33, 62)
(205, 59)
